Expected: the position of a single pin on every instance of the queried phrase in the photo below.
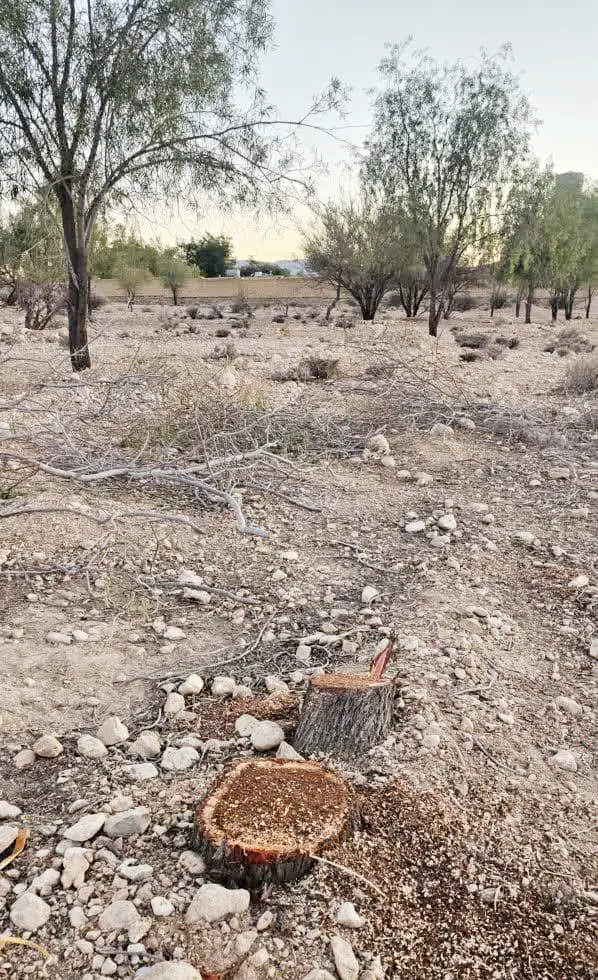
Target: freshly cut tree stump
(344, 715)
(266, 818)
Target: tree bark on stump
(263, 822)
(344, 715)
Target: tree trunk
(588, 302)
(78, 286)
(570, 295)
(344, 715)
(264, 820)
(528, 305)
(434, 314)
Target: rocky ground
(402, 490)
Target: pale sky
(554, 49)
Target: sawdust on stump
(266, 818)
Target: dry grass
(582, 376)
(569, 341)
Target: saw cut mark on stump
(344, 715)
(265, 819)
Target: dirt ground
(481, 809)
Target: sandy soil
(495, 669)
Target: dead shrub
(463, 302)
(510, 342)
(381, 370)
(582, 376)
(96, 302)
(192, 312)
(222, 332)
(279, 318)
(569, 341)
(312, 368)
(228, 353)
(472, 355)
(474, 340)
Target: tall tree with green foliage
(212, 255)
(354, 245)
(106, 102)
(446, 142)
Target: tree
(354, 245)
(266, 268)
(131, 278)
(174, 274)
(106, 102)
(412, 287)
(527, 232)
(212, 255)
(589, 262)
(446, 141)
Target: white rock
(80, 636)
(169, 970)
(8, 835)
(212, 903)
(112, 731)
(193, 685)
(147, 745)
(174, 704)
(579, 582)
(8, 811)
(135, 872)
(245, 724)
(24, 759)
(128, 823)
(74, 867)
(30, 912)
(345, 960)
(389, 462)
(559, 473)
(197, 595)
(403, 474)
(525, 537)
(161, 907)
(432, 736)
(463, 422)
(319, 975)
(192, 862)
(85, 828)
(415, 527)
(379, 445)
(179, 760)
(569, 706)
(286, 751)
(441, 431)
(139, 772)
(564, 759)
(266, 735)
(221, 686)
(228, 379)
(173, 633)
(91, 747)
(346, 915)
(47, 747)
(56, 637)
(278, 575)
(275, 685)
(188, 577)
(303, 653)
(290, 555)
(368, 594)
(241, 691)
(119, 916)
(265, 921)
(594, 649)
(447, 522)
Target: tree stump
(344, 715)
(265, 818)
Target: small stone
(593, 651)
(192, 862)
(319, 975)
(346, 915)
(212, 903)
(525, 537)
(8, 811)
(173, 633)
(368, 594)
(170, 970)
(441, 431)
(275, 685)
(242, 691)
(140, 772)
(47, 747)
(559, 473)
(345, 960)
(8, 835)
(403, 474)
(245, 724)
(564, 759)
(179, 760)
(303, 654)
(579, 582)
(91, 747)
(192, 686)
(415, 527)
(198, 595)
(174, 704)
(221, 686)
(161, 907)
(432, 736)
(119, 916)
(85, 828)
(147, 745)
(489, 895)
(463, 422)
(265, 921)
(378, 445)
(228, 379)
(75, 866)
(112, 731)
(30, 912)
(569, 706)
(286, 751)
(129, 823)
(24, 759)
(290, 555)
(447, 522)
(266, 735)
(57, 638)
(389, 462)
(135, 872)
